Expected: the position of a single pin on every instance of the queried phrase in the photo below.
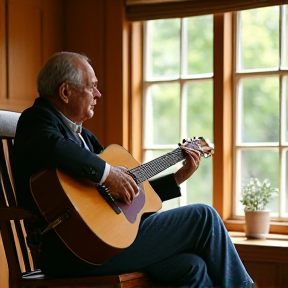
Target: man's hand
(121, 185)
(191, 164)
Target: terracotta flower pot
(257, 224)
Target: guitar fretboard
(147, 170)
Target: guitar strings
(147, 170)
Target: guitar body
(92, 230)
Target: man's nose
(96, 93)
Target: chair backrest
(13, 232)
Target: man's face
(83, 97)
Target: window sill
(276, 240)
(280, 228)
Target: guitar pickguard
(131, 211)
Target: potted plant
(255, 197)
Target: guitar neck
(148, 170)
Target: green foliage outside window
(260, 38)
(180, 95)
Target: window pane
(259, 38)
(178, 102)
(164, 48)
(285, 37)
(200, 45)
(260, 98)
(162, 118)
(262, 164)
(200, 109)
(199, 186)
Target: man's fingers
(122, 185)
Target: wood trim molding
(140, 10)
(222, 160)
(135, 123)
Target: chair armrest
(14, 213)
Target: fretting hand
(121, 185)
(191, 164)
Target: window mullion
(183, 96)
(222, 163)
(282, 152)
(183, 74)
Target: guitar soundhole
(131, 211)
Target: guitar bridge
(105, 193)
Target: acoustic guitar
(92, 224)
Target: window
(261, 77)
(178, 95)
(178, 85)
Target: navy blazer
(42, 140)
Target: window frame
(224, 64)
(239, 75)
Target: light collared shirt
(77, 129)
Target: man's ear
(64, 92)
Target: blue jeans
(186, 246)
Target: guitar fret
(147, 170)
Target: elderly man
(184, 246)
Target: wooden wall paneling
(114, 72)
(87, 35)
(84, 30)
(52, 28)
(125, 82)
(265, 275)
(265, 261)
(101, 33)
(24, 50)
(3, 71)
(34, 31)
(284, 275)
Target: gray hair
(61, 67)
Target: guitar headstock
(199, 144)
